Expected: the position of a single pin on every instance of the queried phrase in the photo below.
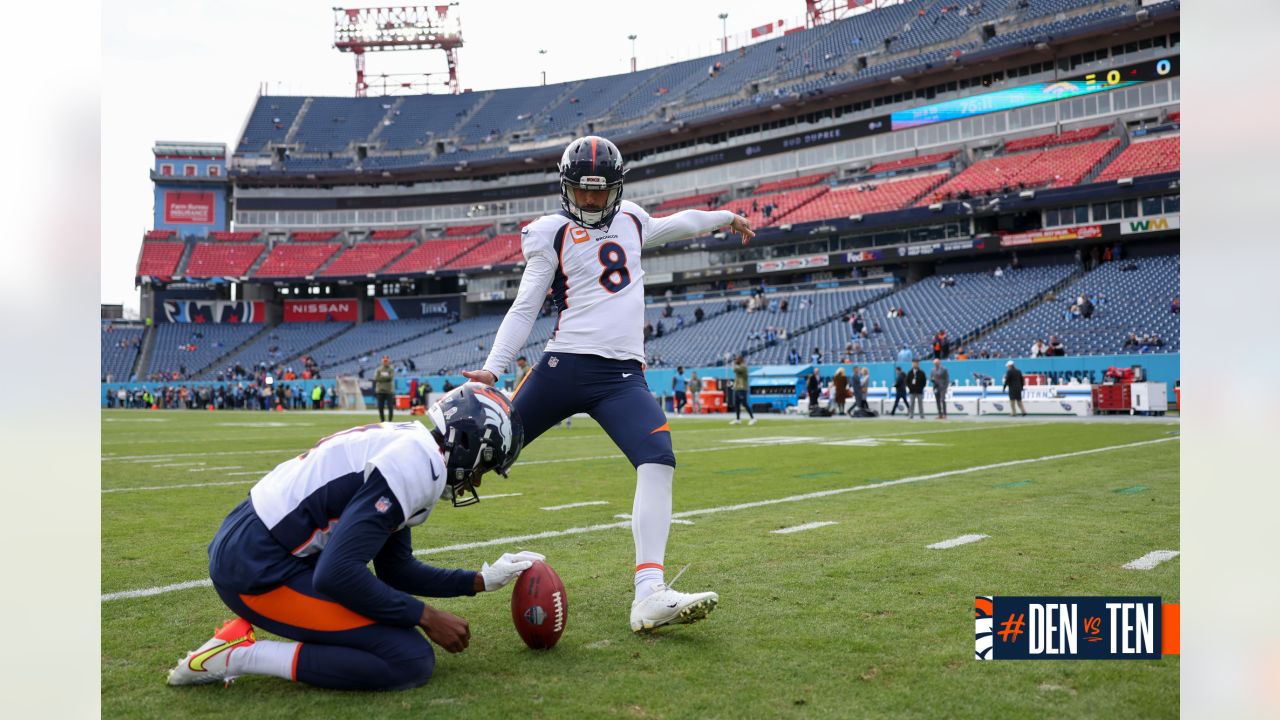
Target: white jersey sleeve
(413, 471)
(540, 266)
(680, 226)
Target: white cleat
(735, 422)
(752, 421)
(671, 607)
(208, 663)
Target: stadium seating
(188, 348)
(782, 204)
(236, 236)
(493, 252)
(341, 352)
(223, 259)
(945, 20)
(717, 338)
(423, 118)
(365, 258)
(294, 261)
(466, 230)
(160, 259)
(974, 303)
(313, 235)
(279, 345)
(506, 111)
(269, 122)
(1055, 167)
(461, 345)
(790, 183)
(1065, 138)
(911, 162)
(433, 255)
(333, 123)
(120, 346)
(399, 234)
(842, 202)
(1149, 157)
(1126, 301)
(701, 201)
(160, 235)
(897, 39)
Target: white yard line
(181, 464)
(517, 539)
(626, 516)
(962, 540)
(211, 469)
(1151, 559)
(802, 528)
(171, 487)
(164, 457)
(577, 505)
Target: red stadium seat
(1056, 167)
(1150, 157)
(466, 230)
(234, 236)
(783, 203)
(1066, 138)
(314, 235)
(846, 201)
(160, 235)
(365, 258)
(433, 255)
(288, 260)
(218, 259)
(791, 183)
(160, 259)
(701, 202)
(400, 234)
(500, 250)
(912, 162)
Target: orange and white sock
(650, 524)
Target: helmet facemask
(591, 218)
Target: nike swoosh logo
(626, 374)
(673, 605)
(197, 662)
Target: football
(539, 607)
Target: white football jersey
(596, 281)
(300, 499)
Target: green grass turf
(856, 619)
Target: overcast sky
(190, 71)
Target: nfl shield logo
(554, 361)
(383, 505)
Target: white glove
(507, 568)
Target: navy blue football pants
(340, 650)
(613, 392)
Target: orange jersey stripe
(289, 606)
(523, 380)
(664, 427)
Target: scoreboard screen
(1013, 98)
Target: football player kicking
(589, 256)
(293, 557)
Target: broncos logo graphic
(983, 635)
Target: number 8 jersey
(595, 279)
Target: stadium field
(856, 617)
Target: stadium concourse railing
(1160, 367)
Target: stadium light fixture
(632, 38)
(362, 30)
(544, 67)
(724, 32)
